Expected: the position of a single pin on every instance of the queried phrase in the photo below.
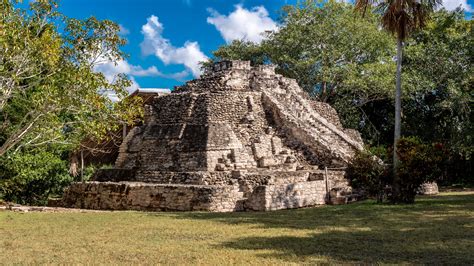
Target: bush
(419, 163)
(90, 170)
(366, 172)
(29, 177)
(458, 169)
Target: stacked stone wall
(328, 112)
(181, 197)
(300, 123)
(287, 196)
(156, 197)
(179, 108)
(194, 178)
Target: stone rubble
(429, 188)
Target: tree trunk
(16, 137)
(398, 110)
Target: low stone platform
(250, 191)
(152, 197)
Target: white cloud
(111, 69)
(243, 24)
(123, 31)
(453, 4)
(190, 55)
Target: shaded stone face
(239, 127)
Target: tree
(439, 58)
(368, 175)
(337, 58)
(31, 176)
(400, 17)
(49, 91)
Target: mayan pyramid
(238, 138)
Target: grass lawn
(434, 230)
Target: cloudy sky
(168, 38)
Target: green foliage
(438, 62)
(323, 46)
(419, 163)
(29, 177)
(400, 17)
(381, 152)
(366, 172)
(49, 91)
(51, 97)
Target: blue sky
(166, 38)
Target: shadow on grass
(390, 245)
(436, 230)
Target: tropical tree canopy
(49, 91)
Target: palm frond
(400, 16)
(363, 5)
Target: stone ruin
(238, 138)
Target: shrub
(29, 177)
(366, 172)
(419, 163)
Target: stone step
(346, 199)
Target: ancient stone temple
(238, 138)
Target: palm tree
(400, 17)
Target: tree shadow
(435, 230)
(420, 245)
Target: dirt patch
(20, 208)
(456, 189)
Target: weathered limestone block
(143, 196)
(429, 188)
(286, 196)
(277, 145)
(266, 162)
(261, 150)
(354, 134)
(327, 112)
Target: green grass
(436, 230)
